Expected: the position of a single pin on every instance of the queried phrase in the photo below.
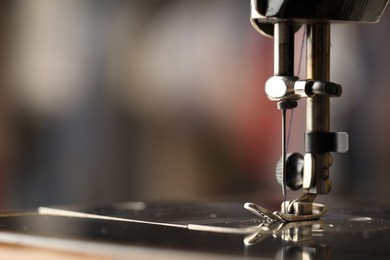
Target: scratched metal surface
(341, 234)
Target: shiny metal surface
(308, 171)
(223, 229)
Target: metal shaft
(283, 49)
(318, 108)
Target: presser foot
(296, 211)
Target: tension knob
(294, 171)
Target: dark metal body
(322, 10)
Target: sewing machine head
(280, 19)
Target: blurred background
(106, 101)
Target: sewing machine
(280, 20)
(225, 230)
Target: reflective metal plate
(224, 229)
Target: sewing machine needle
(284, 155)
